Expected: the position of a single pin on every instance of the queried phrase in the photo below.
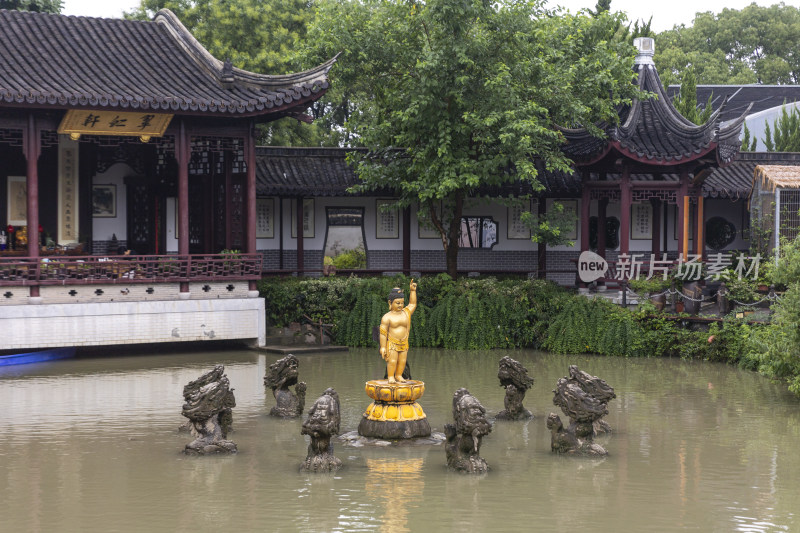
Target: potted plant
(691, 278)
(654, 288)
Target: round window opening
(719, 233)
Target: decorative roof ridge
(733, 127)
(218, 69)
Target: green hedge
(486, 313)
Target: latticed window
(478, 232)
(790, 213)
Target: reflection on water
(92, 445)
(399, 484)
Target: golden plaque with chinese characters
(141, 124)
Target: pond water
(92, 445)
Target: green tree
(784, 135)
(756, 44)
(748, 144)
(452, 95)
(686, 103)
(261, 36)
(38, 6)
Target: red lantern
(40, 228)
(10, 228)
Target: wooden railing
(81, 270)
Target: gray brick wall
(385, 259)
(562, 260)
(312, 259)
(271, 258)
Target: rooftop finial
(646, 48)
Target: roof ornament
(227, 74)
(646, 48)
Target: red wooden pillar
(541, 252)
(407, 241)
(585, 217)
(625, 211)
(251, 246)
(683, 197)
(300, 256)
(602, 207)
(655, 247)
(32, 148)
(183, 151)
(699, 237)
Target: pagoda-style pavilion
(79, 95)
(653, 157)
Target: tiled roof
(652, 132)
(291, 172)
(282, 171)
(64, 62)
(303, 172)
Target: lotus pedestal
(394, 413)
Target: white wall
(94, 324)
(104, 227)
(725, 208)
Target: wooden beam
(32, 148)
(585, 218)
(300, 255)
(602, 207)
(699, 235)
(625, 212)
(685, 226)
(682, 214)
(183, 151)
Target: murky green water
(92, 445)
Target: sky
(665, 14)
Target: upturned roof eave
(188, 80)
(215, 67)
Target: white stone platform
(109, 323)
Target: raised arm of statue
(412, 297)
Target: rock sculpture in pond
(321, 425)
(514, 377)
(209, 408)
(584, 399)
(281, 375)
(463, 444)
(564, 440)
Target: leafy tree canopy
(257, 35)
(38, 6)
(686, 103)
(453, 95)
(752, 45)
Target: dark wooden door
(142, 222)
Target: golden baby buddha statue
(394, 412)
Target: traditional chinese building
(653, 159)
(118, 134)
(654, 184)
